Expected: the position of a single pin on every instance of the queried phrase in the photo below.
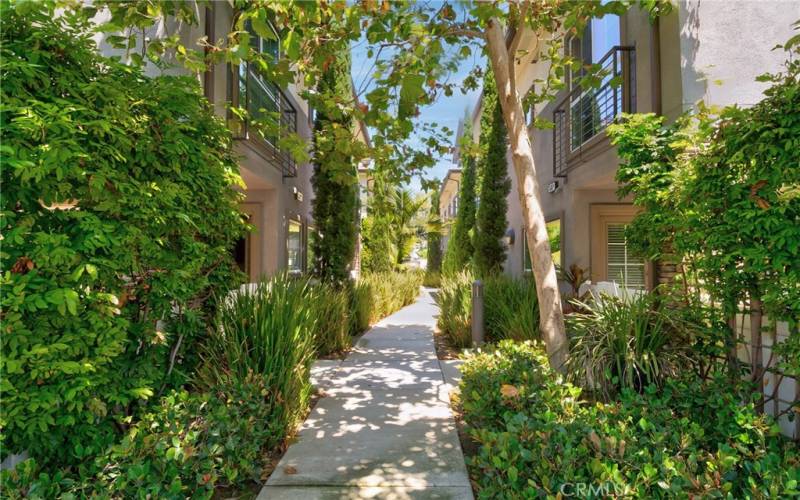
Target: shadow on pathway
(384, 428)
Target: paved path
(384, 428)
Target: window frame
(602, 214)
(301, 250)
(626, 264)
(526, 256)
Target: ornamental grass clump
(455, 309)
(390, 291)
(333, 323)
(361, 306)
(266, 329)
(511, 308)
(627, 342)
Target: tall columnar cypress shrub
(460, 245)
(490, 252)
(378, 254)
(335, 179)
(434, 235)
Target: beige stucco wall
(710, 51)
(267, 192)
(266, 188)
(725, 45)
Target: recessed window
(294, 247)
(554, 235)
(622, 267)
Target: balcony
(262, 99)
(583, 114)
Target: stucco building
(448, 203)
(278, 190)
(709, 51)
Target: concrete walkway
(384, 428)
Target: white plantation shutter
(623, 267)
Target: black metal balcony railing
(584, 113)
(261, 98)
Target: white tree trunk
(551, 316)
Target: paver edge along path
(384, 427)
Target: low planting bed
(250, 390)
(538, 438)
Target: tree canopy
(415, 45)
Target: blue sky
(446, 111)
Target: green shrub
(190, 444)
(333, 325)
(183, 447)
(391, 291)
(511, 308)
(104, 298)
(432, 279)
(627, 342)
(455, 309)
(690, 438)
(267, 329)
(361, 306)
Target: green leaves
(411, 89)
(65, 299)
(691, 438)
(116, 212)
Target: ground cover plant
(538, 438)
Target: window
(256, 94)
(294, 247)
(554, 235)
(611, 257)
(622, 267)
(263, 101)
(599, 37)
